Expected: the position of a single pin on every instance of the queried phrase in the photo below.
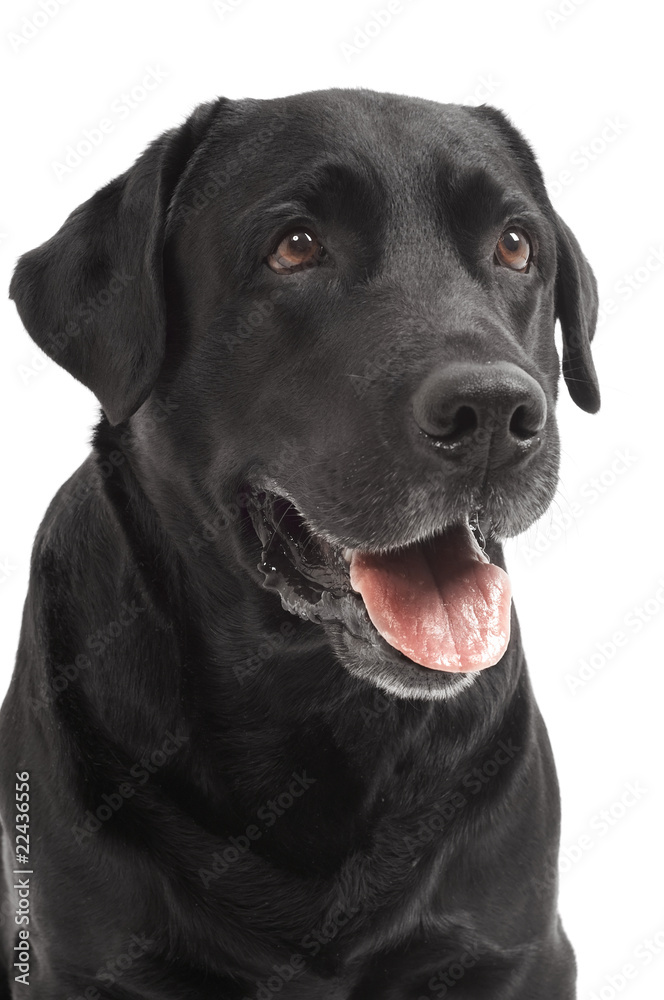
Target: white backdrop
(583, 81)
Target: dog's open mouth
(440, 601)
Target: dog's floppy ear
(576, 307)
(576, 288)
(92, 296)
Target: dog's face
(350, 298)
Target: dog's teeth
(347, 554)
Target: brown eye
(297, 250)
(513, 249)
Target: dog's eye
(297, 250)
(513, 249)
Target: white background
(570, 76)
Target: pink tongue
(441, 602)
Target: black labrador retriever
(271, 731)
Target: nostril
(447, 423)
(455, 425)
(463, 422)
(525, 423)
(465, 406)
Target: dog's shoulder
(76, 519)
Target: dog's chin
(312, 576)
(366, 655)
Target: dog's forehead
(370, 124)
(257, 144)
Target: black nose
(495, 405)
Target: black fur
(289, 826)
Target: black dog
(249, 722)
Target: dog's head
(350, 297)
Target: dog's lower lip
(438, 600)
